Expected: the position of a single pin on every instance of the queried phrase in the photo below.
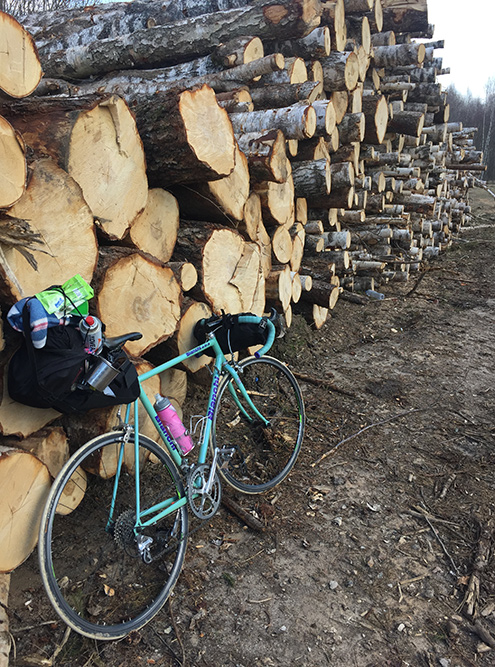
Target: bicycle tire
(264, 455)
(92, 573)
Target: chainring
(203, 504)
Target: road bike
(114, 529)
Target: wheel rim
(95, 573)
(264, 454)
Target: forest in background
(475, 112)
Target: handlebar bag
(232, 335)
(51, 376)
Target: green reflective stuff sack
(61, 300)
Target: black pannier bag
(53, 376)
(232, 335)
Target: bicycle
(114, 529)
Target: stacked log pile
(189, 157)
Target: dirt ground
(377, 551)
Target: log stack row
(188, 157)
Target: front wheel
(266, 447)
(104, 576)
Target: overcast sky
(468, 28)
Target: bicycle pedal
(226, 454)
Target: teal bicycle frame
(221, 366)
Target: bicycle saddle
(119, 341)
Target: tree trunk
(375, 109)
(221, 201)
(49, 445)
(186, 136)
(315, 45)
(20, 69)
(266, 155)
(155, 229)
(277, 201)
(279, 287)
(340, 71)
(24, 486)
(136, 293)
(313, 177)
(285, 95)
(13, 169)
(405, 16)
(54, 205)
(96, 141)
(183, 40)
(296, 122)
(352, 128)
(399, 55)
(333, 15)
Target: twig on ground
(236, 509)
(480, 562)
(61, 645)
(447, 486)
(322, 382)
(440, 542)
(482, 633)
(354, 435)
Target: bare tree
(18, 8)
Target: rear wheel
(264, 453)
(103, 577)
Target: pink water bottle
(169, 417)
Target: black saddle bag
(232, 335)
(53, 376)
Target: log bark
(13, 169)
(333, 15)
(20, 68)
(73, 131)
(297, 121)
(266, 155)
(315, 45)
(399, 55)
(133, 84)
(5, 636)
(53, 204)
(137, 293)
(193, 37)
(294, 72)
(312, 178)
(340, 71)
(352, 128)
(186, 136)
(284, 95)
(24, 485)
(405, 16)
